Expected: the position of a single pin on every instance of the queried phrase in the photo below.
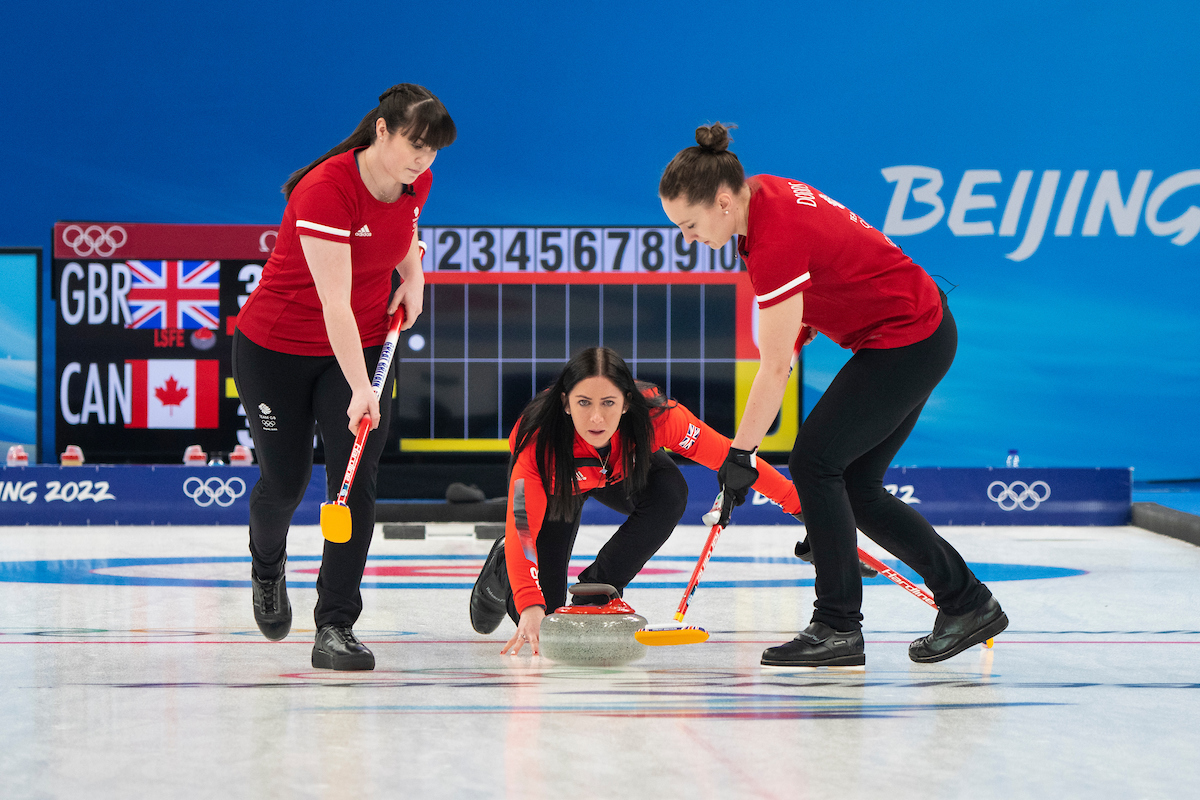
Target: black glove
(804, 550)
(736, 476)
(804, 553)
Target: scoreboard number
(554, 250)
(483, 249)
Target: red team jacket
(675, 427)
(331, 202)
(860, 289)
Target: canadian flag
(174, 393)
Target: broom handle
(896, 578)
(705, 554)
(364, 426)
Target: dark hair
(410, 109)
(546, 421)
(699, 172)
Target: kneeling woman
(595, 433)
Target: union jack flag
(175, 294)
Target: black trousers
(284, 395)
(653, 514)
(844, 447)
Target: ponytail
(406, 107)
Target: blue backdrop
(1079, 347)
(18, 352)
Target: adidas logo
(363, 231)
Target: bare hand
(411, 295)
(363, 403)
(527, 631)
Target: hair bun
(714, 138)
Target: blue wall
(1084, 353)
(18, 352)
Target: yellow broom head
(335, 522)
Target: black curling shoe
(338, 648)
(804, 553)
(489, 597)
(818, 645)
(952, 635)
(272, 609)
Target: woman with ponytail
(816, 267)
(595, 433)
(309, 336)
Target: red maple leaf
(171, 393)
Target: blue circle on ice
(158, 572)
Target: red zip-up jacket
(675, 427)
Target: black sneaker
(952, 635)
(489, 597)
(337, 647)
(818, 645)
(804, 553)
(272, 609)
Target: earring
(727, 212)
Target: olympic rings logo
(94, 239)
(214, 490)
(1018, 494)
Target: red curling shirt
(675, 427)
(331, 202)
(860, 289)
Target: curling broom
(336, 523)
(686, 634)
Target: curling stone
(593, 635)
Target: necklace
(604, 460)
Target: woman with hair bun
(309, 336)
(595, 433)
(818, 267)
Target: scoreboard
(144, 314)
(507, 306)
(140, 342)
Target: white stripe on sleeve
(301, 223)
(792, 284)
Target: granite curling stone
(593, 635)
